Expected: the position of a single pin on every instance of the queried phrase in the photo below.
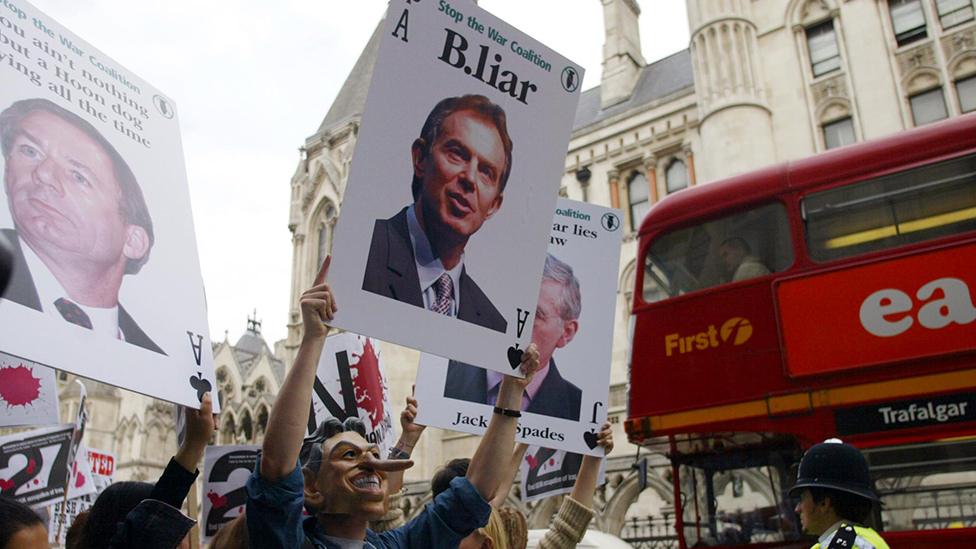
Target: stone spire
(622, 59)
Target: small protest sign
(34, 467)
(444, 218)
(350, 382)
(225, 470)
(28, 393)
(105, 278)
(63, 514)
(566, 402)
(545, 472)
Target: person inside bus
(738, 261)
(836, 497)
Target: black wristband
(507, 412)
(397, 453)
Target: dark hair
(311, 453)
(132, 205)
(738, 243)
(14, 517)
(848, 506)
(457, 467)
(109, 510)
(72, 539)
(477, 104)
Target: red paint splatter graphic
(532, 461)
(6, 485)
(369, 383)
(217, 501)
(18, 386)
(79, 480)
(31, 465)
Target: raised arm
(576, 511)
(488, 466)
(178, 477)
(289, 415)
(501, 494)
(409, 436)
(589, 470)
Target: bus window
(731, 504)
(929, 486)
(913, 206)
(737, 247)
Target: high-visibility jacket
(851, 536)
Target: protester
(20, 527)
(140, 515)
(347, 488)
(836, 497)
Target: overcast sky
(253, 79)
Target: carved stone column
(690, 162)
(650, 170)
(613, 178)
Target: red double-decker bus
(827, 297)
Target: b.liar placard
(566, 402)
(443, 225)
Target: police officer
(836, 497)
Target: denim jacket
(274, 517)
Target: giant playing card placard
(567, 400)
(105, 279)
(441, 236)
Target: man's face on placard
(460, 175)
(64, 195)
(346, 484)
(550, 331)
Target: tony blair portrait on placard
(460, 162)
(80, 221)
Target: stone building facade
(790, 78)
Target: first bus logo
(734, 331)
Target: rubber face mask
(352, 477)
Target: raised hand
(200, 426)
(318, 304)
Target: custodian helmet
(836, 466)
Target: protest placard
(441, 236)
(63, 514)
(28, 393)
(545, 472)
(106, 279)
(34, 467)
(350, 382)
(566, 402)
(225, 471)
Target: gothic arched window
(638, 195)
(676, 176)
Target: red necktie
(73, 313)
